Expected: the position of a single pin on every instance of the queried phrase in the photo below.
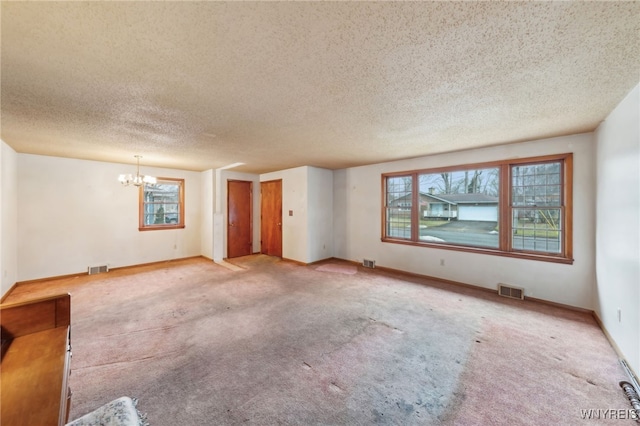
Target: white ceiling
(274, 85)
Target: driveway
(473, 226)
(483, 234)
(465, 232)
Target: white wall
(618, 226)
(8, 217)
(320, 212)
(74, 213)
(307, 235)
(294, 197)
(357, 226)
(226, 176)
(207, 204)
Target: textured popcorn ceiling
(200, 85)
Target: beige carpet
(339, 268)
(229, 265)
(280, 343)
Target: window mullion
(505, 213)
(567, 206)
(415, 208)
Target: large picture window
(162, 204)
(519, 208)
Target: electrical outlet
(619, 315)
(441, 262)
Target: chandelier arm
(138, 179)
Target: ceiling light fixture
(137, 179)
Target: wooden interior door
(239, 229)
(271, 218)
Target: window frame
(505, 209)
(141, 206)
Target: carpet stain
(384, 324)
(404, 406)
(335, 388)
(280, 343)
(378, 416)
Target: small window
(162, 204)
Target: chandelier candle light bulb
(137, 179)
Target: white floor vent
(98, 269)
(369, 263)
(509, 291)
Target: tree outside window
(162, 205)
(518, 208)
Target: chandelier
(137, 179)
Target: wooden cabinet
(36, 358)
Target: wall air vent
(98, 269)
(509, 291)
(369, 263)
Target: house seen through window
(519, 208)
(162, 204)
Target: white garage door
(485, 213)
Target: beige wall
(74, 214)
(357, 225)
(618, 226)
(8, 217)
(320, 211)
(207, 206)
